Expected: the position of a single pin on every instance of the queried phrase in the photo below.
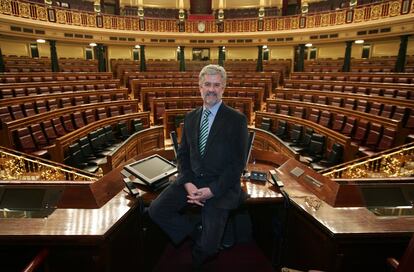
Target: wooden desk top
(342, 221)
(259, 192)
(68, 225)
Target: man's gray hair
(212, 69)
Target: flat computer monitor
(153, 171)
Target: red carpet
(241, 258)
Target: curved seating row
(372, 133)
(159, 105)
(355, 76)
(35, 88)
(52, 76)
(370, 88)
(137, 84)
(70, 118)
(149, 93)
(25, 106)
(331, 136)
(394, 108)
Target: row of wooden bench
(370, 88)
(161, 104)
(137, 84)
(128, 76)
(20, 107)
(339, 119)
(50, 87)
(388, 107)
(52, 76)
(353, 76)
(149, 93)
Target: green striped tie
(202, 140)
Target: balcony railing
(393, 163)
(15, 165)
(60, 16)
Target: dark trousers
(167, 212)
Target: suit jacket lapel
(219, 121)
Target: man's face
(211, 90)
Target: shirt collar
(214, 108)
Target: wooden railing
(150, 139)
(18, 166)
(149, 93)
(331, 135)
(6, 132)
(57, 151)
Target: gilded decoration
(121, 23)
(267, 25)
(309, 24)
(395, 8)
(91, 20)
(359, 15)
(227, 27)
(24, 10)
(47, 173)
(162, 26)
(107, 22)
(127, 23)
(41, 13)
(5, 6)
(376, 12)
(60, 17)
(340, 17)
(280, 24)
(325, 20)
(135, 24)
(287, 23)
(239, 26)
(76, 17)
(294, 23)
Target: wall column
(259, 65)
(221, 56)
(101, 58)
(402, 53)
(182, 59)
(143, 65)
(300, 63)
(2, 67)
(54, 56)
(347, 58)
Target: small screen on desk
(151, 169)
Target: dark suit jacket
(224, 156)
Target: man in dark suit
(211, 158)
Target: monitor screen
(152, 169)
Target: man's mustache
(210, 94)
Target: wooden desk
(259, 192)
(99, 239)
(322, 236)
